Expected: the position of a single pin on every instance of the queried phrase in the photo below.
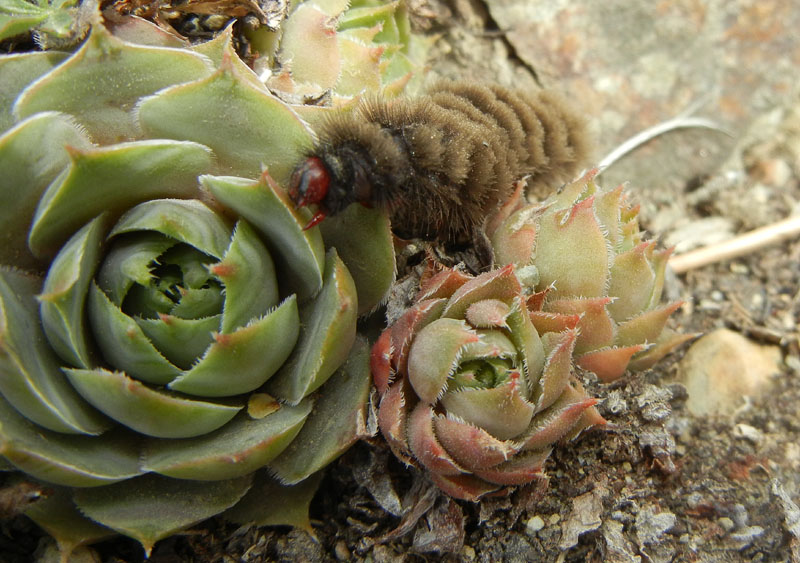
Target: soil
(659, 483)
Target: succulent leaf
(632, 281)
(519, 470)
(180, 341)
(330, 323)
(248, 274)
(555, 422)
(102, 81)
(64, 459)
(595, 326)
(153, 507)
(464, 486)
(471, 446)
(113, 179)
(236, 449)
(63, 297)
(501, 285)
(361, 236)
(149, 411)
(337, 421)
(646, 327)
(239, 132)
(434, 356)
(124, 343)
(300, 254)
(609, 363)
(393, 418)
(60, 518)
(424, 444)
(557, 367)
(586, 274)
(30, 377)
(188, 221)
(288, 504)
(310, 46)
(502, 411)
(251, 355)
(32, 154)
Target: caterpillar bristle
(440, 163)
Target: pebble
(694, 500)
(651, 525)
(533, 525)
(740, 516)
(723, 368)
(749, 433)
(726, 524)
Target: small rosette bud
(593, 272)
(470, 390)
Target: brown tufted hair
(440, 163)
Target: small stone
(740, 516)
(533, 525)
(738, 268)
(726, 524)
(554, 518)
(722, 368)
(694, 500)
(772, 171)
(651, 525)
(749, 433)
(468, 553)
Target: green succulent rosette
(589, 268)
(477, 379)
(470, 391)
(170, 335)
(344, 48)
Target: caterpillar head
(309, 185)
(331, 182)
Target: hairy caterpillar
(440, 163)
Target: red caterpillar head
(333, 179)
(309, 185)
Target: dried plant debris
(202, 18)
